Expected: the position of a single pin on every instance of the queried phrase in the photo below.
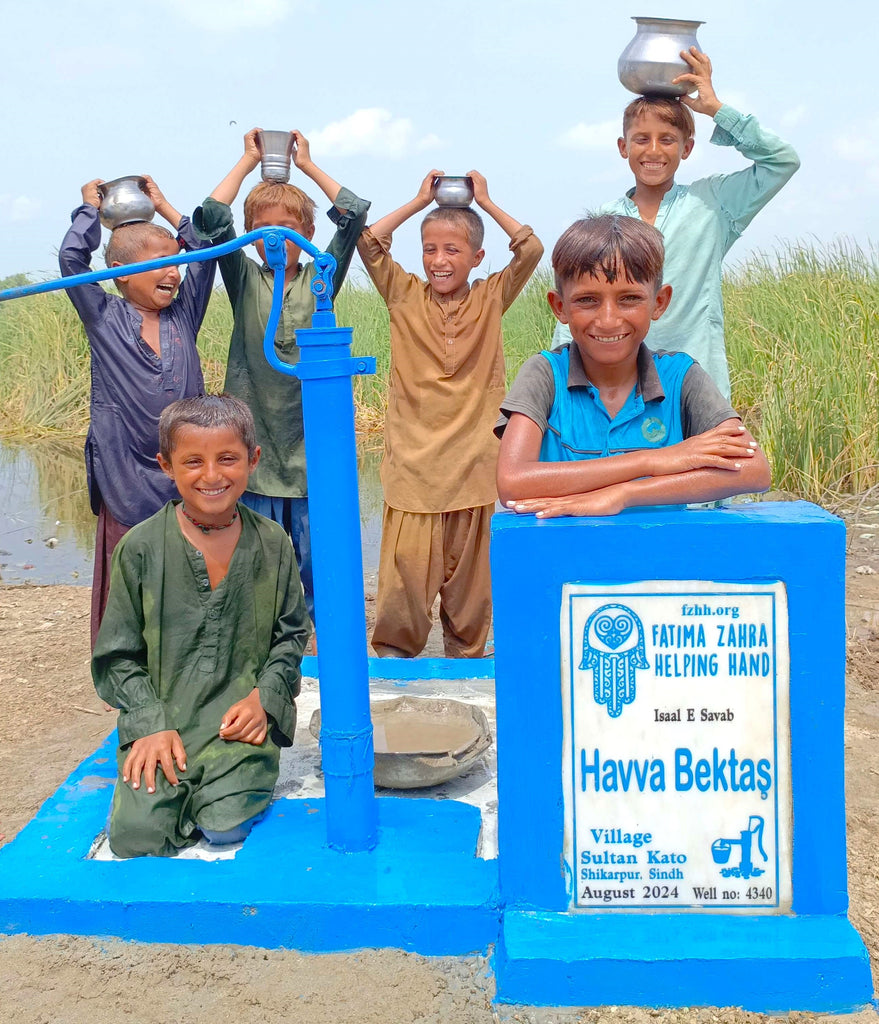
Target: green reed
(802, 336)
(802, 330)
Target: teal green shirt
(699, 223)
(275, 399)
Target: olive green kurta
(174, 654)
(275, 399)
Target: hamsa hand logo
(613, 647)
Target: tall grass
(44, 360)
(802, 337)
(802, 330)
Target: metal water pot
(276, 152)
(124, 201)
(453, 191)
(653, 58)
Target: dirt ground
(68, 980)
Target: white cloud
(428, 142)
(738, 100)
(791, 118)
(858, 143)
(851, 147)
(231, 15)
(602, 135)
(18, 208)
(373, 131)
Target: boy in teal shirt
(278, 488)
(699, 222)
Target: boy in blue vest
(605, 424)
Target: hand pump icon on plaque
(721, 848)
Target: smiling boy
(446, 382)
(604, 424)
(278, 489)
(143, 357)
(701, 221)
(200, 644)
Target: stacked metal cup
(276, 150)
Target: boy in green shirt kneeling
(200, 645)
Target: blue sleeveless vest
(580, 428)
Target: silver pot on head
(453, 191)
(124, 201)
(653, 57)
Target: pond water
(47, 529)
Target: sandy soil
(44, 654)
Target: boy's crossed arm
(715, 464)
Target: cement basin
(422, 741)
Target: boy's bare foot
(387, 651)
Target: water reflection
(47, 530)
(46, 525)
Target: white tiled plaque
(676, 758)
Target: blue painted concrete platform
(423, 889)
(552, 954)
(765, 964)
(408, 669)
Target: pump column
(325, 369)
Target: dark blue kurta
(131, 385)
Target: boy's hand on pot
(90, 193)
(159, 749)
(246, 721)
(699, 78)
(155, 193)
(426, 192)
(480, 187)
(301, 150)
(251, 149)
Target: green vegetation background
(802, 327)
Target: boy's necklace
(207, 527)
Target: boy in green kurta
(278, 489)
(200, 645)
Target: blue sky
(523, 90)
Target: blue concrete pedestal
(800, 954)
(768, 964)
(421, 889)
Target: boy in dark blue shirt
(143, 357)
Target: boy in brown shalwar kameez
(446, 386)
